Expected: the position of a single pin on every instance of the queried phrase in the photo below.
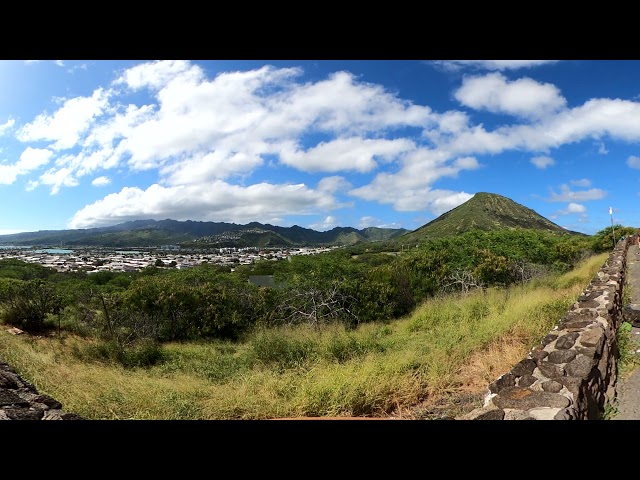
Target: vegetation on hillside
(431, 363)
(484, 211)
(334, 336)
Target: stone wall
(572, 373)
(19, 400)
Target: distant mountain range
(485, 211)
(193, 234)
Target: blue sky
(315, 143)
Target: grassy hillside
(434, 362)
(484, 211)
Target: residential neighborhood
(100, 259)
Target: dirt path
(628, 388)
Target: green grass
(378, 370)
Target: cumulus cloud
(7, 125)
(214, 165)
(542, 162)
(572, 208)
(410, 188)
(583, 182)
(198, 130)
(196, 133)
(101, 181)
(523, 97)
(326, 224)
(217, 202)
(333, 184)
(576, 208)
(67, 124)
(493, 64)
(567, 195)
(356, 154)
(31, 159)
(158, 74)
(368, 221)
(57, 179)
(633, 162)
(595, 119)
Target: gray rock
(552, 386)
(506, 380)
(561, 356)
(7, 397)
(527, 380)
(526, 399)
(567, 341)
(524, 367)
(580, 367)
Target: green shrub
(145, 353)
(272, 348)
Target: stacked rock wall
(572, 373)
(19, 400)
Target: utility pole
(612, 229)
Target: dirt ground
(628, 388)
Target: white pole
(612, 229)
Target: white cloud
(343, 154)
(7, 125)
(543, 162)
(196, 132)
(333, 184)
(67, 124)
(62, 177)
(327, 224)
(602, 149)
(59, 63)
(567, 195)
(217, 201)
(596, 119)
(409, 189)
(633, 162)
(368, 221)
(33, 158)
(576, 208)
(158, 74)
(493, 64)
(101, 181)
(31, 185)
(30, 159)
(523, 97)
(31, 62)
(583, 182)
(215, 165)
(466, 163)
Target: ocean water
(53, 250)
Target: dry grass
(436, 362)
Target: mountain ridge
(484, 211)
(192, 233)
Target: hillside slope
(484, 211)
